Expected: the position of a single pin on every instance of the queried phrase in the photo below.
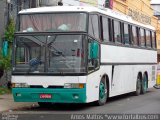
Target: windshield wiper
(57, 53)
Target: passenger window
(134, 36)
(93, 26)
(126, 34)
(138, 36)
(148, 39)
(142, 38)
(117, 33)
(110, 29)
(153, 40)
(105, 25)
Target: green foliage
(9, 33)
(4, 90)
(5, 62)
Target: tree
(5, 58)
(9, 33)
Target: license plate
(45, 96)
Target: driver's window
(93, 62)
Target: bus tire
(138, 86)
(144, 84)
(102, 92)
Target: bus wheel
(138, 86)
(144, 84)
(44, 104)
(102, 92)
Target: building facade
(14, 6)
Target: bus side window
(126, 34)
(117, 33)
(138, 36)
(130, 35)
(93, 26)
(148, 39)
(134, 38)
(105, 27)
(110, 30)
(153, 40)
(142, 37)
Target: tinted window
(93, 26)
(105, 29)
(117, 33)
(148, 39)
(134, 36)
(138, 36)
(110, 29)
(126, 34)
(55, 22)
(153, 40)
(142, 37)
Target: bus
(80, 54)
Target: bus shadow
(126, 96)
(61, 107)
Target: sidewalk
(7, 103)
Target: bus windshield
(53, 22)
(49, 54)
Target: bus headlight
(73, 85)
(20, 85)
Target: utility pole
(8, 10)
(17, 3)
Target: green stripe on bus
(58, 95)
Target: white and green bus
(78, 54)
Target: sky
(155, 1)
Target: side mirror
(94, 50)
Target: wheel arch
(105, 76)
(140, 75)
(146, 73)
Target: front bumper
(60, 95)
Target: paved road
(148, 103)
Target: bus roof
(88, 9)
